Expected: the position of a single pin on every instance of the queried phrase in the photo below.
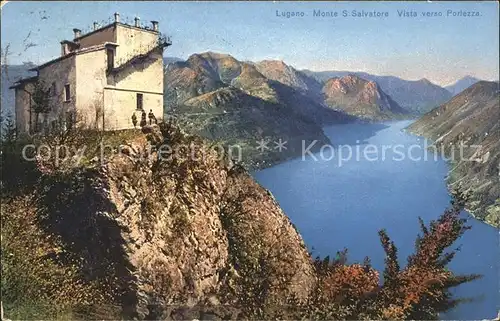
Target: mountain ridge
(221, 98)
(467, 128)
(462, 84)
(416, 96)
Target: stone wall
(23, 109)
(121, 105)
(91, 79)
(132, 42)
(145, 74)
(56, 76)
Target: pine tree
(9, 132)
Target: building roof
(21, 82)
(113, 24)
(94, 31)
(70, 42)
(74, 53)
(75, 43)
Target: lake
(337, 199)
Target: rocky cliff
(160, 233)
(361, 98)
(466, 130)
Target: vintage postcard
(182, 160)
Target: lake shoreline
(450, 181)
(328, 204)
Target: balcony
(164, 41)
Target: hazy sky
(442, 49)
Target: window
(53, 125)
(53, 89)
(111, 58)
(67, 93)
(70, 120)
(140, 102)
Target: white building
(100, 80)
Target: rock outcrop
(166, 231)
(361, 98)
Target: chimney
(117, 17)
(137, 21)
(77, 32)
(64, 48)
(96, 25)
(155, 25)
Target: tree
(419, 291)
(9, 131)
(41, 101)
(422, 289)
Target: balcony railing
(164, 41)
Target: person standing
(151, 117)
(134, 120)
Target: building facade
(101, 80)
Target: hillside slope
(471, 118)
(360, 98)
(238, 120)
(151, 231)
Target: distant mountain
(361, 98)
(227, 100)
(417, 97)
(287, 75)
(11, 74)
(471, 119)
(462, 84)
(170, 60)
